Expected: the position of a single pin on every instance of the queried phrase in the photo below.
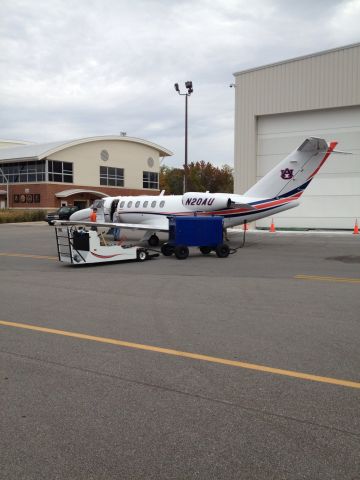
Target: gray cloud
(72, 69)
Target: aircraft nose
(81, 216)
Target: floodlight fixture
(189, 87)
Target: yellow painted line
(319, 278)
(25, 255)
(193, 356)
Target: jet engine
(205, 202)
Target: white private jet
(278, 190)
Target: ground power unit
(204, 232)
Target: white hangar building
(277, 106)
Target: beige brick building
(75, 172)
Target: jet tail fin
(291, 176)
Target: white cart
(80, 245)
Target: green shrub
(15, 216)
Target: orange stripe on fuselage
(281, 201)
(273, 203)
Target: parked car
(63, 213)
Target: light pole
(189, 88)
(7, 187)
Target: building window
(150, 180)
(111, 176)
(60, 171)
(23, 172)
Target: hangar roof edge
(39, 151)
(295, 59)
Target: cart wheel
(205, 250)
(222, 250)
(141, 255)
(181, 252)
(153, 241)
(167, 250)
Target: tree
(202, 176)
(171, 180)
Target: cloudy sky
(72, 69)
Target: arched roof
(38, 151)
(73, 191)
(13, 143)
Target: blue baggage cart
(205, 232)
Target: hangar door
(332, 200)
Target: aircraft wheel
(141, 255)
(181, 252)
(222, 250)
(205, 250)
(167, 250)
(153, 241)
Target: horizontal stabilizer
(342, 153)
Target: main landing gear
(153, 241)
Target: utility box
(205, 232)
(196, 231)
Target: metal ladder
(64, 242)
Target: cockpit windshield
(99, 203)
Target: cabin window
(150, 180)
(162, 203)
(111, 176)
(153, 204)
(145, 204)
(129, 204)
(122, 204)
(137, 204)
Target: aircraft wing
(130, 226)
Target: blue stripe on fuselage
(296, 190)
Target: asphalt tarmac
(240, 368)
